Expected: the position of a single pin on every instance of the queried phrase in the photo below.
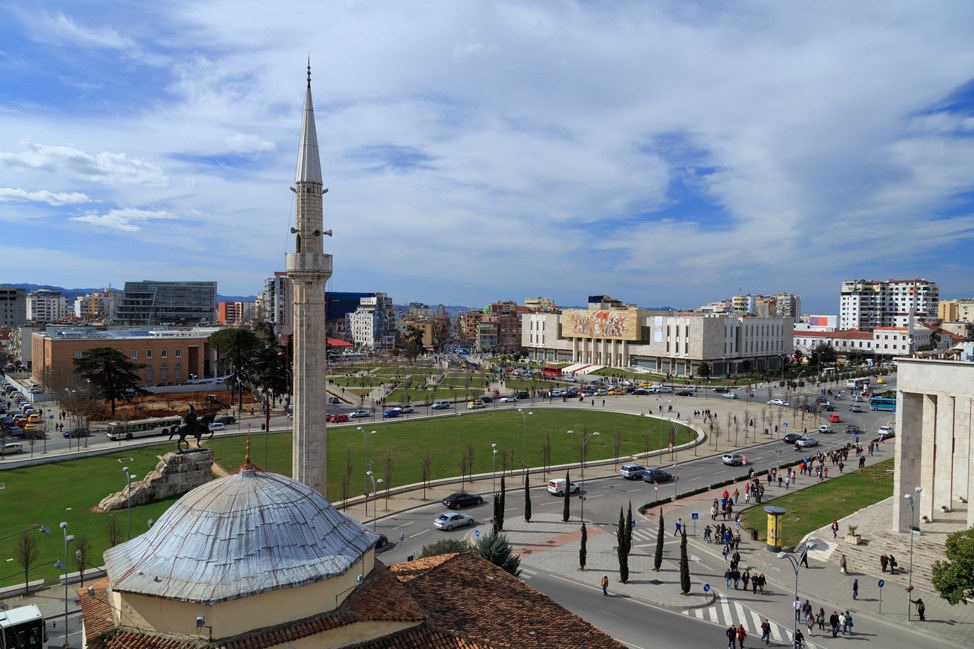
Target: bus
(22, 628)
(882, 403)
(461, 350)
(143, 427)
(858, 384)
(551, 371)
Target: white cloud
(43, 196)
(61, 28)
(125, 220)
(104, 167)
(240, 143)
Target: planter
(853, 539)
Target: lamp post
(493, 471)
(909, 589)
(797, 564)
(374, 481)
(129, 477)
(584, 441)
(67, 539)
(366, 436)
(524, 442)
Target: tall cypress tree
(566, 512)
(622, 550)
(527, 497)
(684, 565)
(582, 550)
(500, 509)
(658, 560)
(629, 529)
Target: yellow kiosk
(774, 527)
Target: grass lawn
(825, 502)
(67, 491)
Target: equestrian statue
(193, 426)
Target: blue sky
(665, 153)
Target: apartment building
(867, 304)
(13, 307)
(94, 306)
(46, 305)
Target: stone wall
(176, 474)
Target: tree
(388, 469)
(25, 553)
(444, 546)
(703, 370)
(622, 549)
(616, 447)
(823, 354)
(496, 549)
(346, 479)
(582, 550)
(425, 470)
(113, 374)
(270, 369)
(566, 512)
(82, 548)
(658, 559)
(115, 533)
(684, 565)
(471, 447)
(503, 500)
(629, 529)
(954, 578)
(238, 355)
(527, 497)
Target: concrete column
(943, 470)
(907, 455)
(928, 453)
(963, 436)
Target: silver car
(449, 520)
(805, 442)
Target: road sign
(706, 588)
(785, 424)
(694, 516)
(882, 583)
(671, 447)
(476, 533)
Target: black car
(461, 499)
(226, 420)
(642, 391)
(77, 432)
(485, 399)
(791, 438)
(656, 475)
(523, 395)
(685, 393)
(721, 390)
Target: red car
(835, 419)
(337, 419)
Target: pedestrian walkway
(726, 611)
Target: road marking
(403, 525)
(757, 621)
(412, 536)
(594, 496)
(629, 491)
(697, 478)
(724, 608)
(741, 616)
(712, 610)
(775, 632)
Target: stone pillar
(907, 456)
(963, 437)
(928, 455)
(943, 470)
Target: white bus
(858, 384)
(22, 628)
(143, 427)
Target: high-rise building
(46, 305)
(308, 268)
(150, 303)
(232, 313)
(94, 306)
(372, 324)
(867, 304)
(13, 307)
(788, 305)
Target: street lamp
(374, 505)
(129, 477)
(67, 539)
(909, 590)
(493, 471)
(366, 436)
(797, 564)
(568, 487)
(524, 442)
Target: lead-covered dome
(247, 533)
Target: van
(10, 448)
(557, 487)
(442, 404)
(632, 471)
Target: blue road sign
(51, 416)
(476, 533)
(694, 516)
(785, 424)
(706, 588)
(882, 583)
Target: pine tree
(582, 550)
(566, 513)
(684, 565)
(496, 549)
(527, 497)
(658, 560)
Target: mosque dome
(247, 533)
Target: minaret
(308, 269)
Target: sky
(662, 152)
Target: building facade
(150, 303)
(956, 310)
(233, 313)
(94, 306)
(662, 342)
(13, 307)
(866, 304)
(45, 305)
(880, 343)
(372, 324)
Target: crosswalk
(725, 612)
(527, 573)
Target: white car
(805, 442)
(360, 413)
(557, 487)
(569, 379)
(508, 399)
(406, 408)
(778, 402)
(217, 426)
(449, 520)
(732, 459)
(632, 471)
(729, 395)
(825, 428)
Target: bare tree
(463, 469)
(425, 470)
(115, 533)
(25, 553)
(471, 447)
(388, 469)
(82, 548)
(616, 447)
(646, 445)
(546, 455)
(346, 479)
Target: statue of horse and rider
(193, 426)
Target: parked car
(440, 405)
(508, 399)
(77, 432)
(486, 399)
(733, 459)
(461, 499)
(656, 475)
(15, 431)
(791, 438)
(664, 388)
(729, 395)
(11, 448)
(338, 418)
(523, 394)
(390, 413)
(805, 442)
(557, 487)
(569, 379)
(632, 471)
(355, 414)
(217, 426)
(450, 520)
(685, 393)
(617, 391)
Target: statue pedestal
(176, 474)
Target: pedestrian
(737, 520)
(892, 564)
(727, 577)
(736, 574)
(834, 623)
(855, 589)
(862, 461)
(737, 494)
(747, 496)
(605, 585)
(754, 584)
(679, 524)
(766, 633)
(787, 481)
(810, 622)
(835, 529)
(847, 623)
(921, 609)
(798, 609)
(713, 511)
(804, 559)
(840, 466)
(706, 534)
(883, 561)
(745, 577)
(843, 568)
(780, 481)
(820, 618)
(726, 551)
(731, 634)
(741, 634)
(799, 639)
(806, 610)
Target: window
(163, 353)
(148, 353)
(163, 366)
(77, 354)
(163, 375)
(179, 353)
(134, 354)
(148, 374)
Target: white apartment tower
(45, 305)
(867, 304)
(308, 269)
